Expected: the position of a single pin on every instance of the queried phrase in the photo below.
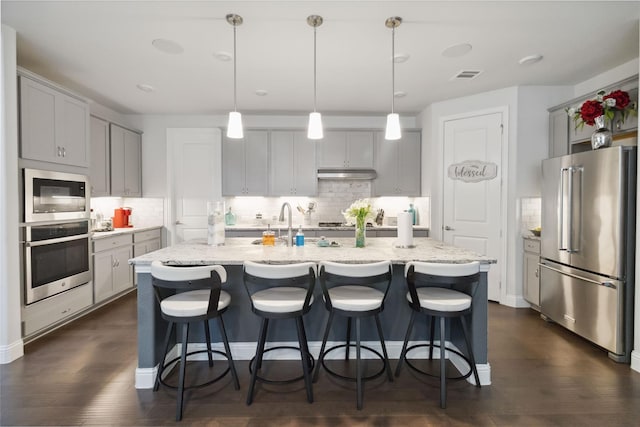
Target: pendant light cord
(315, 79)
(393, 67)
(235, 102)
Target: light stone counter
(243, 325)
(237, 250)
(97, 235)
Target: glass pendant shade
(234, 127)
(393, 127)
(315, 126)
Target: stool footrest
(437, 375)
(285, 381)
(344, 377)
(176, 359)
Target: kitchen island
(243, 326)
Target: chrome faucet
(289, 230)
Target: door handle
(447, 228)
(178, 222)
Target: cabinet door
(409, 161)
(132, 164)
(386, 165)
(122, 271)
(559, 133)
(631, 123)
(117, 160)
(332, 150)
(531, 278)
(37, 121)
(283, 157)
(102, 276)
(579, 134)
(256, 153)
(99, 169)
(233, 167)
(72, 130)
(304, 166)
(359, 149)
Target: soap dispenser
(300, 237)
(229, 218)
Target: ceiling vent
(466, 75)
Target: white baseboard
(246, 351)
(515, 301)
(635, 360)
(11, 352)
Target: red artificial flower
(590, 110)
(621, 97)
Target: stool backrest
(374, 274)
(460, 277)
(166, 278)
(259, 276)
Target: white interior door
(194, 159)
(472, 188)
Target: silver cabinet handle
(64, 152)
(447, 228)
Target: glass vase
(602, 136)
(361, 232)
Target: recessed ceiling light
(457, 50)
(400, 57)
(261, 92)
(531, 59)
(400, 94)
(167, 46)
(145, 87)
(223, 56)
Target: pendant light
(393, 120)
(314, 130)
(234, 127)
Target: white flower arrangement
(359, 212)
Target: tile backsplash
(530, 213)
(145, 212)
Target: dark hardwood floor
(83, 374)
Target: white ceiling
(102, 49)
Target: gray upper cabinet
(245, 164)
(631, 123)
(558, 133)
(54, 126)
(125, 162)
(293, 164)
(397, 165)
(346, 149)
(100, 165)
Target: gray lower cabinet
(54, 126)
(531, 272)
(126, 161)
(112, 273)
(100, 164)
(50, 311)
(397, 165)
(146, 241)
(293, 164)
(245, 164)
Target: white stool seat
(355, 298)
(442, 299)
(192, 303)
(286, 299)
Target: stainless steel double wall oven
(56, 233)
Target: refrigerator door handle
(606, 284)
(561, 211)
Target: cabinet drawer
(112, 242)
(49, 311)
(531, 245)
(141, 236)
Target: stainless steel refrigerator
(588, 246)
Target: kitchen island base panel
(242, 324)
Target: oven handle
(59, 240)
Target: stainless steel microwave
(54, 196)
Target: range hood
(346, 174)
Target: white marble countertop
(256, 227)
(96, 235)
(237, 250)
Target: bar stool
(200, 298)
(355, 291)
(441, 291)
(280, 291)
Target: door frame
(438, 198)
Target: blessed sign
(473, 171)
